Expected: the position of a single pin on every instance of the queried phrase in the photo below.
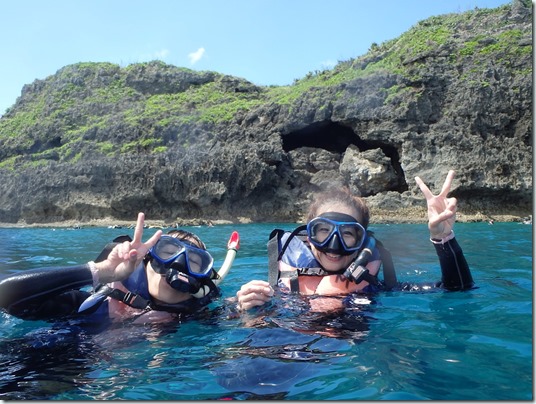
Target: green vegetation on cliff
(104, 109)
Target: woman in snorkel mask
(315, 263)
(336, 231)
(336, 256)
(154, 280)
(313, 258)
(175, 275)
(170, 273)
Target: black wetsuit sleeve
(455, 273)
(45, 292)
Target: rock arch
(338, 140)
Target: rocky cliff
(97, 140)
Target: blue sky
(264, 41)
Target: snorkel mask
(185, 266)
(336, 233)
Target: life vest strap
(129, 298)
(389, 273)
(273, 254)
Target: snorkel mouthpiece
(182, 282)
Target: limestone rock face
(369, 172)
(455, 92)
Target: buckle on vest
(129, 298)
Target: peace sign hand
(125, 257)
(441, 210)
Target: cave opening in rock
(329, 136)
(335, 138)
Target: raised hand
(125, 257)
(441, 210)
(254, 293)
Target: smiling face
(331, 261)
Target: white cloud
(328, 64)
(156, 55)
(196, 56)
(161, 54)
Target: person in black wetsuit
(337, 256)
(153, 280)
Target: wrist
(94, 272)
(442, 240)
(100, 273)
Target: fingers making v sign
(441, 210)
(126, 256)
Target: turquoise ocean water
(475, 345)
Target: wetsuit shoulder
(23, 294)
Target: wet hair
(340, 196)
(190, 237)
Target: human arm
(441, 218)
(39, 293)
(455, 273)
(31, 293)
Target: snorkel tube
(232, 247)
(357, 271)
